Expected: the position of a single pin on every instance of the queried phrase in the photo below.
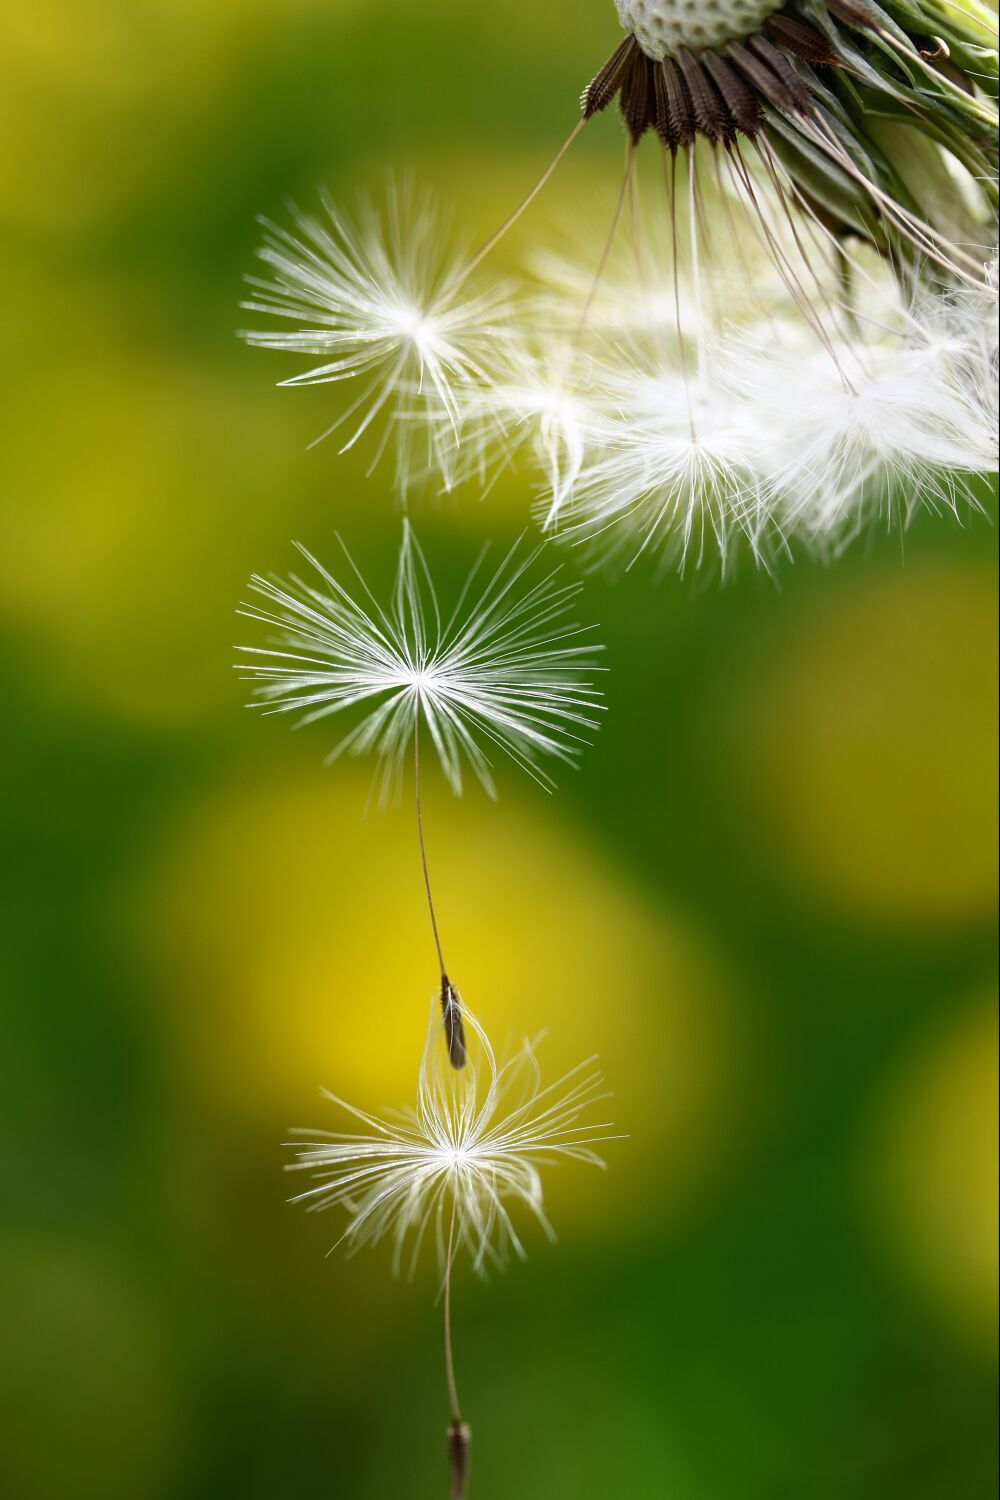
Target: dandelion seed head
(662, 26)
(478, 1139)
(760, 81)
(508, 669)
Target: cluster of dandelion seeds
(785, 331)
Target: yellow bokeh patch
(933, 1170)
(863, 739)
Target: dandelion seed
(477, 1139)
(456, 1169)
(508, 668)
(675, 469)
(459, 1438)
(539, 404)
(370, 296)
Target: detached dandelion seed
(456, 1169)
(479, 1137)
(508, 668)
(369, 294)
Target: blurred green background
(767, 898)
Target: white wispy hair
(540, 405)
(891, 414)
(962, 324)
(647, 284)
(474, 1144)
(781, 429)
(624, 300)
(893, 425)
(377, 295)
(509, 666)
(675, 466)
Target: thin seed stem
(510, 220)
(670, 182)
(606, 252)
(449, 1358)
(423, 851)
(699, 322)
(451, 1009)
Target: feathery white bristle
(540, 405)
(759, 425)
(882, 435)
(371, 295)
(675, 468)
(508, 668)
(477, 1137)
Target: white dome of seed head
(661, 26)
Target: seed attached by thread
(451, 1013)
(459, 1438)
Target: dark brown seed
(601, 90)
(637, 100)
(454, 1030)
(458, 1459)
(774, 89)
(779, 64)
(679, 110)
(737, 95)
(801, 40)
(710, 113)
(651, 106)
(664, 125)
